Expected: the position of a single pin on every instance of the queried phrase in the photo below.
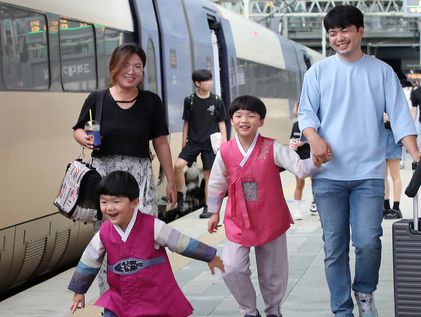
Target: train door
(291, 65)
(147, 35)
(230, 62)
(227, 61)
(148, 38)
(215, 70)
(175, 59)
(212, 46)
(303, 61)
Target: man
(203, 115)
(341, 115)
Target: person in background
(131, 117)
(138, 271)
(203, 115)
(341, 111)
(256, 213)
(407, 91)
(416, 107)
(303, 150)
(393, 157)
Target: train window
(151, 67)
(24, 49)
(77, 55)
(265, 81)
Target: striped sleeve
(88, 266)
(166, 236)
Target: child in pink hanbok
(256, 213)
(138, 271)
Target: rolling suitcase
(407, 256)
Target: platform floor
(307, 294)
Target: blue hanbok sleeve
(88, 266)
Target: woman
(130, 118)
(393, 157)
(303, 150)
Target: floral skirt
(141, 169)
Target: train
(53, 53)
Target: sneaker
(296, 215)
(313, 208)
(205, 213)
(366, 305)
(392, 214)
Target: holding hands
(321, 151)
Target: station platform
(307, 294)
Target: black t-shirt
(304, 150)
(127, 131)
(203, 116)
(416, 99)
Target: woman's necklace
(127, 101)
(115, 93)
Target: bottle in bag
(92, 128)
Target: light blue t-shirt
(345, 102)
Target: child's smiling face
(246, 123)
(117, 209)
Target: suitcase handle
(412, 191)
(415, 182)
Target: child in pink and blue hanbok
(256, 212)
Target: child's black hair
(343, 16)
(120, 184)
(250, 103)
(201, 75)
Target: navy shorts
(190, 152)
(393, 150)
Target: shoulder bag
(76, 198)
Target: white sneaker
(366, 305)
(313, 208)
(296, 215)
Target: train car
(53, 53)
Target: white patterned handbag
(76, 198)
